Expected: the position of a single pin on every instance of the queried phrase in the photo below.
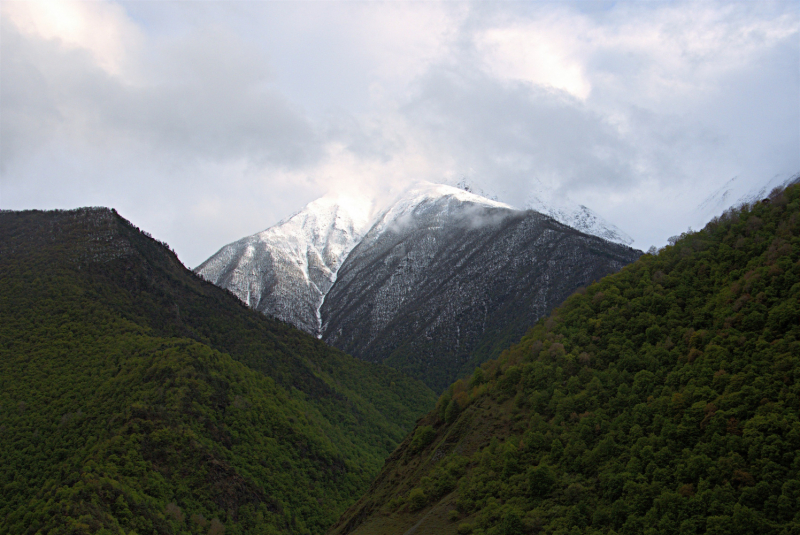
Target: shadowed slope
(663, 399)
(136, 396)
(454, 282)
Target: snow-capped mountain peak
(425, 194)
(287, 269)
(579, 217)
(330, 225)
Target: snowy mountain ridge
(288, 269)
(426, 194)
(560, 208)
(294, 262)
(580, 217)
(736, 191)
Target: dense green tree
(138, 398)
(662, 399)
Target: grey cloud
(226, 121)
(221, 104)
(187, 150)
(511, 134)
(205, 97)
(28, 105)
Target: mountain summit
(563, 210)
(286, 270)
(437, 283)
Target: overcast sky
(203, 122)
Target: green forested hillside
(663, 399)
(137, 398)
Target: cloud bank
(206, 122)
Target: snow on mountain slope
(579, 217)
(426, 197)
(736, 191)
(417, 219)
(286, 270)
(563, 210)
(446, 278)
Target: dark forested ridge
(137, 398)
(663, 399)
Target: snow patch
(287, 269)
(579, 217)
(737, 191)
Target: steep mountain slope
(562, 209)
(735, 192)
(286, 270)
(442, 280)
(662, 399)
(581, 218)
(445, 279)
(136, 397)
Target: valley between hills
(510, 374)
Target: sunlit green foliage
(137, 398)
(663, 399)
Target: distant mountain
(562, 210)
(581, 218)
(136, 397)
(445, 279)
(437, 283)
(662, 399)
(737, 191)
(286, 270)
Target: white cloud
(403, 40)
(541, 52)
(100, 28)
(207, 121)
(672, 52)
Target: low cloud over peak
(205, 122)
